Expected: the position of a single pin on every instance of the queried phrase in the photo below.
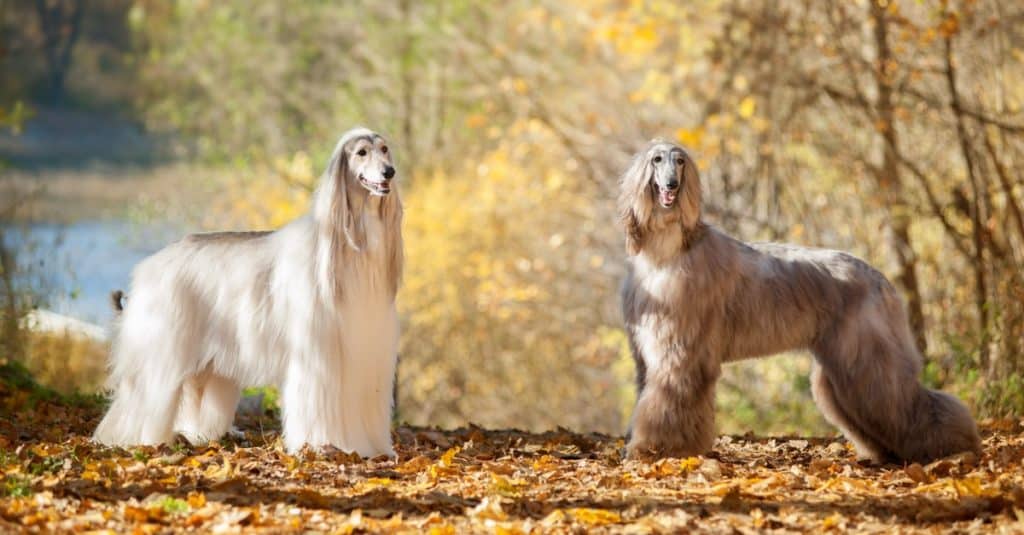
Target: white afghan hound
(694, 298)
(309, 307)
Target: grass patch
(14, 376)
(1002, 397)
(17, 487)
(270, 396)
(173, 505)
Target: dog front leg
(309, 412)
(675, 411)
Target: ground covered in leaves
(478, 480)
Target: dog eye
(679, 161)
(384, 149)
(362, 152)
(657, 159)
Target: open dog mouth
(376, 188)
(666, 197)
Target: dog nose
(389, 172)
(673, 184)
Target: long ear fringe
(634, 203)
(634, 234)
(391, 213)
(332, 218)
(690, 201)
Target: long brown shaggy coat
(694, 298)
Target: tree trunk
(60, 22)
(977, 232)
(408, 86)
(890, 183)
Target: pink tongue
(667, 197)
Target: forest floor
(479, 480)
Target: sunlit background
(892, 129)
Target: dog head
(361, 167)
(366, 158)
(660, 186)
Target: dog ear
(342, 207)
(634, 202)
(690, 200)
(391, 213)
(332, 215)
(634, 233)
(333, 208)
(325, 202)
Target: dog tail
(867, 385)
(117, 299)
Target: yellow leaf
(504, 485)
(545, 462)
(136, 514)
(520, 86)
(449, 456)
(476, 120)
(444, 465)
(972, 486)
(196, 500)
(220, 472)
(414, 465)
(690, 137)
(595, 517)
(690, 464)
(291, 463)
(554, 517)
(831, 521)
(747, 107)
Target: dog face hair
(667, 164)
(369, 158)
(660, 187)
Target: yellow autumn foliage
(508, 299)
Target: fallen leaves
(477, 480)
(595, 517)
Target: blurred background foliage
(892, 129)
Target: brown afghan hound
(694, 298)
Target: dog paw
(335, 454)
(646, 451)
(641, 452)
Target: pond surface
(74, 267)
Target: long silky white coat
(309, 307)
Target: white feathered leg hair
(309, 307)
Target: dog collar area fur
(693, 236)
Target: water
(74, 267)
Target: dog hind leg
(824, 396)
(872, 367)
(207, 407)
